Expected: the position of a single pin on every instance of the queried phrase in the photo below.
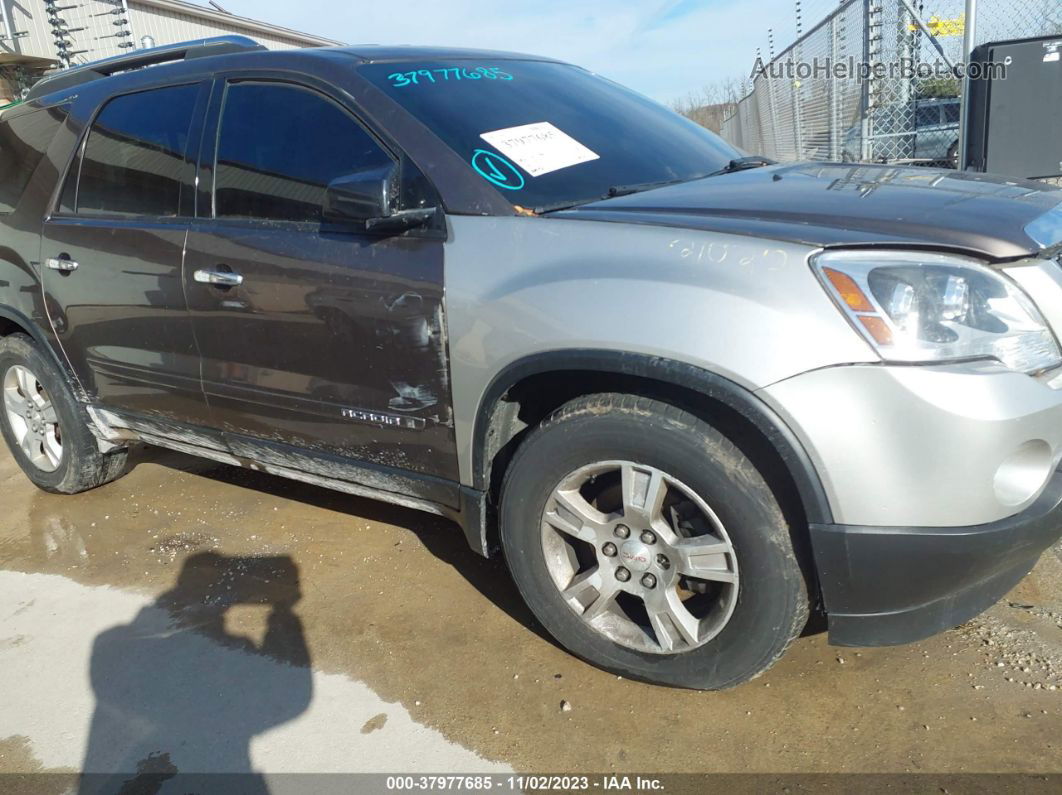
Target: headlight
(915, 307)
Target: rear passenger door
(325, 339)
(112, 252)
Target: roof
(137, 59)
(233, 45)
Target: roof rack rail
(185, 50)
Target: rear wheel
(45, 427)
(649, 545)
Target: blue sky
(663, 48)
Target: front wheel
(648, 544)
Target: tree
(712, 103)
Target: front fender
(744, 310)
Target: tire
(69, 461)
(768, 603)
(952, 158)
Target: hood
(833, 204)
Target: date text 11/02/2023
(445, 75)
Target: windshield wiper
(627, 190)
(743, 164)
(738, 164)
(616, 190)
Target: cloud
(663, 49)
(672, 11)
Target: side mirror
(360, 196)
(366, 200)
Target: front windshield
(549, 135)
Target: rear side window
(280, 146)
(24, 138)
(927, 116)
(133, 161)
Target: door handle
(62, 264)
(218, 278)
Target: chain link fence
(873, 82)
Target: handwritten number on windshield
(420, 77)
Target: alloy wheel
(640, 557)
(32, 418)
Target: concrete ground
(198, 618)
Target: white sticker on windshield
(539, 148)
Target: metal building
(38, 35)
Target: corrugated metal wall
(166, 26)
(97, 29)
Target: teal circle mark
(497, 170)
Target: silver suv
(689, 395)
(925, 132)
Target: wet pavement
(199, 618)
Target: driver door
(323, 339)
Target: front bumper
(887, 585)
(925, 446)
(944, 488)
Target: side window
(927, 116)
(24, 138)
(280, 146)
(951, 113)
(134, 156)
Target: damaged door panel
(323, 346)
(311, 334)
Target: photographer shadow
(179, 695)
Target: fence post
(798, 121)
(969, 41)
(772, 117)
(831, 83)
(873, 38)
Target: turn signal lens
(878, 329)
(848, 290)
